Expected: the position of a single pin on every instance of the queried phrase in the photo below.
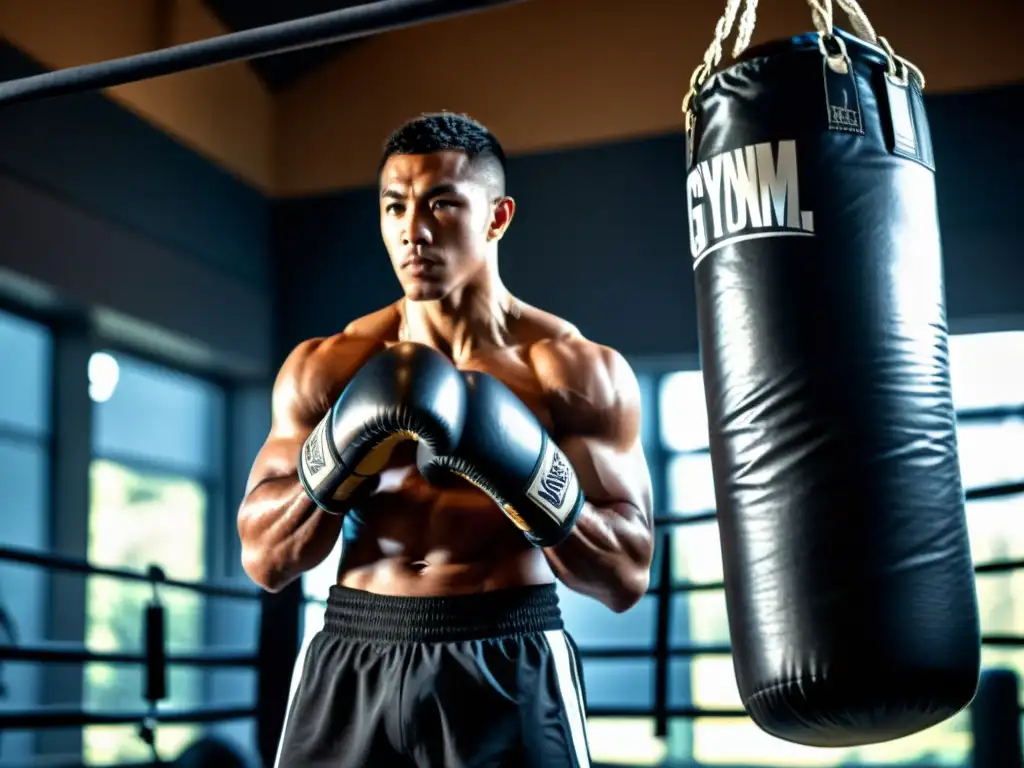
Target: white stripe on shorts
(300, 664)
(571, 692)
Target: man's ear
(504, 210)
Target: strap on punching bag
(905, 138)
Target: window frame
(42, 441)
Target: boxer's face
(440, 221)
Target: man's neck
(462, 324)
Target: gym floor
(164, 244)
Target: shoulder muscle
(312, 377)
(591, 386)
(381, 324)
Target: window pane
(991, 452)
(684, 414)
(1001, 602)
(624, 741)
(232, 626)
(592, 625)
(697, 553)
(740, 742)
(107, 745)
(713, 683)
(137, 520)
(23, 524)
(987, 369)
(619, 683)
(25, 349)
(153, 414)
(691, 484)
(699, 618)
(996, 528)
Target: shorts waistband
(355, 614)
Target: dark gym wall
(115, 217)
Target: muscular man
(470, 449)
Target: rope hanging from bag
(822, 16)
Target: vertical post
(995, 721)
(71, 456)
(220, 534)
(245, 424)
(662, 644)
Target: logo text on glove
(555, 482)
(317, 461)
(554, 487)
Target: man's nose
(417, 230)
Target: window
(987, 370)
(988, 389)
(735, 742)
(26, 351)
(156, 468)
(625, 741)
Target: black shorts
(485, 680)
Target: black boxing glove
(506, 452)
(406, 392)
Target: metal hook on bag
(838, 57)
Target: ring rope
(346, 23)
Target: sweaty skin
(409, 538)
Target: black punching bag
(816, 256)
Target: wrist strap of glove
(320, 470)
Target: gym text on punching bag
(745, 194)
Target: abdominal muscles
(412, 539)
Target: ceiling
(280, 71)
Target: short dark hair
(441, 131)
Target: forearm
(607, 555)
(283, 533)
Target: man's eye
(444, 204)
(393, 208)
